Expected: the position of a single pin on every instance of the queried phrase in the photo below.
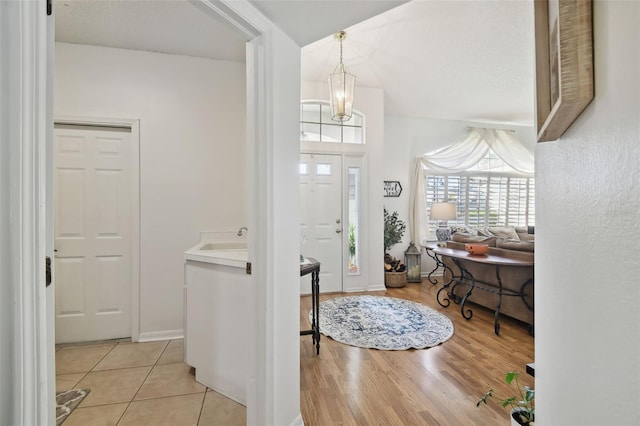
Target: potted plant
(522, 405)
(395, 272)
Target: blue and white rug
(386, 323)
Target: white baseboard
(380, 287)
(154, 336)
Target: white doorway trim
(27, 363)
(134, 126)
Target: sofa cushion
(513, 244)
(470, 238)
(504, 232)
(526, 237)
(485, 233)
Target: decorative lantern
(341, 87)
(412, 260)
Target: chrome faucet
(241, 231)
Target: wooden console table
(465, 277)
(313, 268)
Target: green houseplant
(522, 405)
(393, 229)
(395, 272)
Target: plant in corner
(393, 229)
(393, 232)
(522, 405)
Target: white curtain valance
(459, 157)
(474, 147)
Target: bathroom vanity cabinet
(216, 320)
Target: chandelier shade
(341, 88)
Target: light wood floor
(345, 385)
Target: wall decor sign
(564, 64)
(392, 188)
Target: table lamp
(442, 212)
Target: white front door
(321, 218)
(92, 231)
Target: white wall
(284, 154)
(8, 411)
(587, 243)
(408, 137)
(192, 153)
(370, 102)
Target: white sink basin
(229, 253)
(224, 246)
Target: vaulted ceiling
(460, 60)
(466, 60)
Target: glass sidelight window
(353, 220)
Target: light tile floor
(140, 384)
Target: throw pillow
(504, 232)
(463, 229)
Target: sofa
(512, 242)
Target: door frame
(27, 358)
(343, 241)
(351, 158)
(134, 126)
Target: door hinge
(248, 268)
(49, 7)
(47, 269)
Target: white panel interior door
(321, 218)
(92, 228)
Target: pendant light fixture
(341, 87)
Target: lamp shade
(443, 211)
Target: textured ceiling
(188, 28)
(163, 26)
(309, 20)
(460, 60)
(452, 59)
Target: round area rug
(385, 323)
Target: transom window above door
(316, 125)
